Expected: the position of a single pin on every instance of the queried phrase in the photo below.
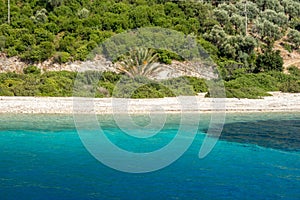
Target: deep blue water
(258, 157)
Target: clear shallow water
(258, 157)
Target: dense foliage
(98, 84)
(68, 30)
(109, 84)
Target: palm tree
(139, 62)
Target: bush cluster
(94, 84)
(110, 84)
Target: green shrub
(61, 57)
(109, 76)
(5, 90)
(147, 91)
(180, 86)
(50, 87)
(251, 86)
(141, 87)
(288, 47)
(246, 92)
(166, 56)
(268, 61)
(290, 86)
(82, 53)
(20, 84)
(294, 71)
(11, 51)
(57, 83)
(31, 70)
(199, 84)
(108, 86)
(279, 76)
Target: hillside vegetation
(68, 30)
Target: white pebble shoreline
(279, 102)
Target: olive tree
(230, 46)
(251, 8)
(267, 30)
(292, 8)
(238, 22)
(279, 19)
(217, 35)
(229, 8)
(269, 4)
(221, 16)
(294, 37)
(237, 46)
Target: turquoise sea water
(258, 157)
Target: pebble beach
(278, 102)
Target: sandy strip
(279, 102)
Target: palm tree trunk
(8, 11)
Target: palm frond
(139, 62)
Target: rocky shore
(100, 63)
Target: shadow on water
(276, 134)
